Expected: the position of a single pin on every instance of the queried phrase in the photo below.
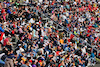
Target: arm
(22, 12)
(8, 43)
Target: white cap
(19, 44)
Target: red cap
(14, 12)
(30, 61)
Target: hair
(26, 62)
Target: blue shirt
(2, 30)
(92, 55)
(19, 56)
(2, 62)
(8, 11)
(66, 21)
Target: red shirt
(83, 8)
(1, 37)
(80, 9)
(13, 32)
(87, 35)
(59, 65)
(96, 38)
(92, 18)
(5, 42)
(3, 10)
(69, 25)
(29, 36)
(71, 36)
(90, 7)
(57, 52)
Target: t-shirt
(20, 30)
(3, 10)
(8, 11)
(1, 36)
(5, 42)
(33, 65)
(61, 41)
(24, 65)
(2, 30)
(92, 55)
(29, 36)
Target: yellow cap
(50, 26)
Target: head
(22, 53)
(27, 63)
(2, 26)
(9, 37)
(94, 53)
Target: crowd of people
(28, 41)
(82, 17)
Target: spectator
(39, 42)
(7, 41)
(92, 59)
(26, 64)
(9, 60)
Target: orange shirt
(99, 39)
(61, 41)
(80, 60)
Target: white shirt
(75, 45)
(66, 0)
(40, 1)
(83, 50)
(42, 32)
(31, 20)
(23, 23)
(27, 1)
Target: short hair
(26, 62)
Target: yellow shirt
(28, 27)
(61, 41)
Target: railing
(68, 32)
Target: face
(2, 26)
(9, 38)
(22, 53)
(15, 55)
(11, 51)
(27, 64)
(94, 53)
